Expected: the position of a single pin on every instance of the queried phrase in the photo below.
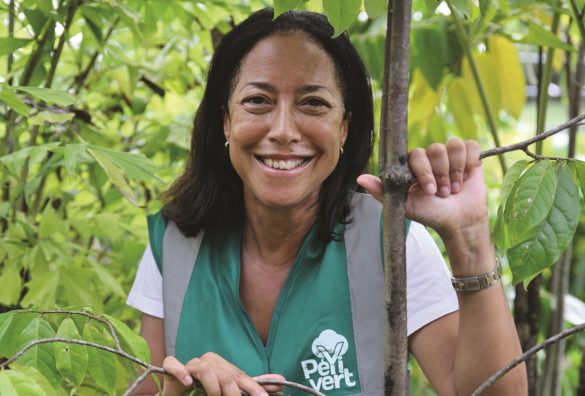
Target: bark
(393, 156)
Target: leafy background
(97, 100)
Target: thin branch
(137, 381)
(577, 121)
(73, 5)
(120, 353)
(87, 315)
(520, 359)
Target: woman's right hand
(217, 376)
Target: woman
(283, 273)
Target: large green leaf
(48, 95)
(42, 290)
(529, 258)
(531, 202)
(10, 284)
(102, 364)
(341, 13)
(430, 44)
(41, 356)
(12, 101)
(35, 376)
(72, 359)
(15, 383)
(14, 161)
(375, 8)
(130, 341)
(12, 324)
(281, 6)
(10, 44)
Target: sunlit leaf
(15, 383)
(422, 99)
(540, 36)
(42, 291)
(10, 285)
(73, 155)
(51, 223)
(36, 377)
(48, 95)
(72, 359)
(512, 83)
(341, 13)
(460, 106)
(10, 44)
(50, 117)
(41, 356)
(107, 279)
(131, 342)
(529, 258)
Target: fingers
(372, 184)
(270, 377)
(442, 169)
(177, 370)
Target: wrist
(470, 249)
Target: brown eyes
(258, 102)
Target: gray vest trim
(178, 261)
(366, 286)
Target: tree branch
(520, 359)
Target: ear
(226, 125)
(345, 128)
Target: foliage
(97, 102)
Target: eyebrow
(302, 90)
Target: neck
(275, 236)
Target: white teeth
(282, 164)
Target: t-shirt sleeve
(146, 293)
(430, 294)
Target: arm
(459, 351)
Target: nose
(284, 129)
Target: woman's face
(285, 121)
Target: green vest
(327, 327)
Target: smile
(283, 164)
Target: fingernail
(445, 191)
(456, 186)
(187, 380)
(430, 188)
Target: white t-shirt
(429, 291)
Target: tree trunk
(395, 176)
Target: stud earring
(226, 144)
(341, 150)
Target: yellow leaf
(422, 99)
(488, 73)
(461, 107)
(511, 76)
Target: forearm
(487, 337)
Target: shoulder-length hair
(209, 192)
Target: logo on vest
(328, 372)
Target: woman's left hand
(449, 194)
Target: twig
(120, 353)
(138, 380)
(500, 373)
(577, 121)
(87, 315)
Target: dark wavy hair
(209, 192)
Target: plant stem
(522, 358)
(465, 46)
(545, 79)
(73, 5)
(393, 156)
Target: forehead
(288, 59)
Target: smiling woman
(266, 262)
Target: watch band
(477, 282)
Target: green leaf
(5, 323)
(12, 101)
(72, 359)
(580, 168)
(9, 44)
(281, 6)
(41, 356)
(50, 117)
(42, 290)
(48, 95)
(531, 202)
(15, 383)
(10, 284)
(431, 45)
(341, 13)
(51, 223)
(375, 8)
(460, 106)
(529, 258)
(432, 4)
(130, 341)
(73, 155)
(463, 6)
(107, 279)
(540, 36)
(135, 166)
(11, 328)
(102, 364)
